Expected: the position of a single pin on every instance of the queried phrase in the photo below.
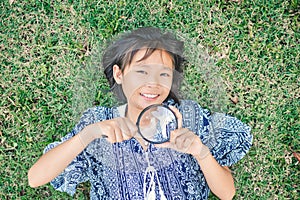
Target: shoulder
(190, 106)
(98, 113)
(93, 115)
(192, 114)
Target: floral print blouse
(116, 171)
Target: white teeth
(150, 95)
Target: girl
(105, 149)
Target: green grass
(43, 45)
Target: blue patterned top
(116, 171)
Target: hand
(182, 139)
(114, 130)
(118, 129)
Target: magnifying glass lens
(155, 123)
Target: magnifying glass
(156, 122)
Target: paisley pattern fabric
(116, 171)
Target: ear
(117, 73)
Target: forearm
(219, 179)
(52, 163)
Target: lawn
(46, 47)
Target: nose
(152, 81)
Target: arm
(219, 178)
(52, 163)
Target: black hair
(122, 51)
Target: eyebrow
(150, 65)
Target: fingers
(118, 129)
(107, 131)
(131, 127)
(118, 135)
(181, 140)
(178, 116)
(178, 135)
(121, 124)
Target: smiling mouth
(150, 96)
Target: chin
(145, 104)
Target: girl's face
(148, 81)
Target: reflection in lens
(155, 123)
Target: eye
(165, 75)
(142, 72)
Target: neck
(132, 113)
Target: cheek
(130, 84)
(166, 92)
(128, 88)
(166, 84)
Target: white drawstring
(150, 193)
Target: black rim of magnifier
(145, 110)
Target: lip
(150, 96)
